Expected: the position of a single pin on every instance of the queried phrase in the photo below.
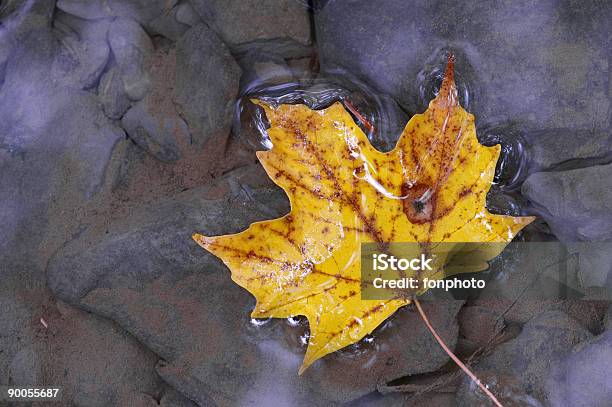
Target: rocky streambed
(119, 138)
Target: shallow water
(367, 107)
(381, 122)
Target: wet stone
(566, 149)
(202, 59)
(518, 370)
(240, 21)
(548, 60)
(58, 143)
(261, 66)
(159, 133)
(185, 14)
(576, 203)
(142, 11)
(99, 363)
(402, 346)
(175, 117)
(80, 63)
(146, 273)
(112, 94)
(582, 378)
(168, 24)
(132, 49)
(478, 324)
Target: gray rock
(112, 94)
(202, 59)
(429, 399)
(168, 24)
(542, 341)
(576, 203)
(156, 132)
(240, 21)
(25, 369)
(132, 49)
(65, 58)
(93, 361)
(53, 139)
(142, 11)
(97, 362)
(91, 30)
(517, 371)
(172, 398)
(264, 68)
(548, 60)
(185, 14)
(9, 7)
(478, 324)
(158, 238)
(146, 273)
(55, 147)
(594, 264)
(392, 356)
(20, 18)
(265, 62)
(535, 277)
(532, 279)
(583, 378)
(565, 149)
(80, 62)
(175, 114)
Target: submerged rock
(185, 14)
(517, 371)
(80, 62)
(576, 203)
(402, 346)
(206, 84)
(566, 149)
(142, 11)
(158, 132)
(240, 21)
(549, 60)
(189, 96)
(132, 49)
(99, 364)
(583, 378)
(168, 23)
(112, 95)
(157, 239)
(146, 273)
(54, 139)
(91, 359)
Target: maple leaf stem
(360, 117)
(452, 355)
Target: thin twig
(453, 357)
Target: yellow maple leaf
(343, 192)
